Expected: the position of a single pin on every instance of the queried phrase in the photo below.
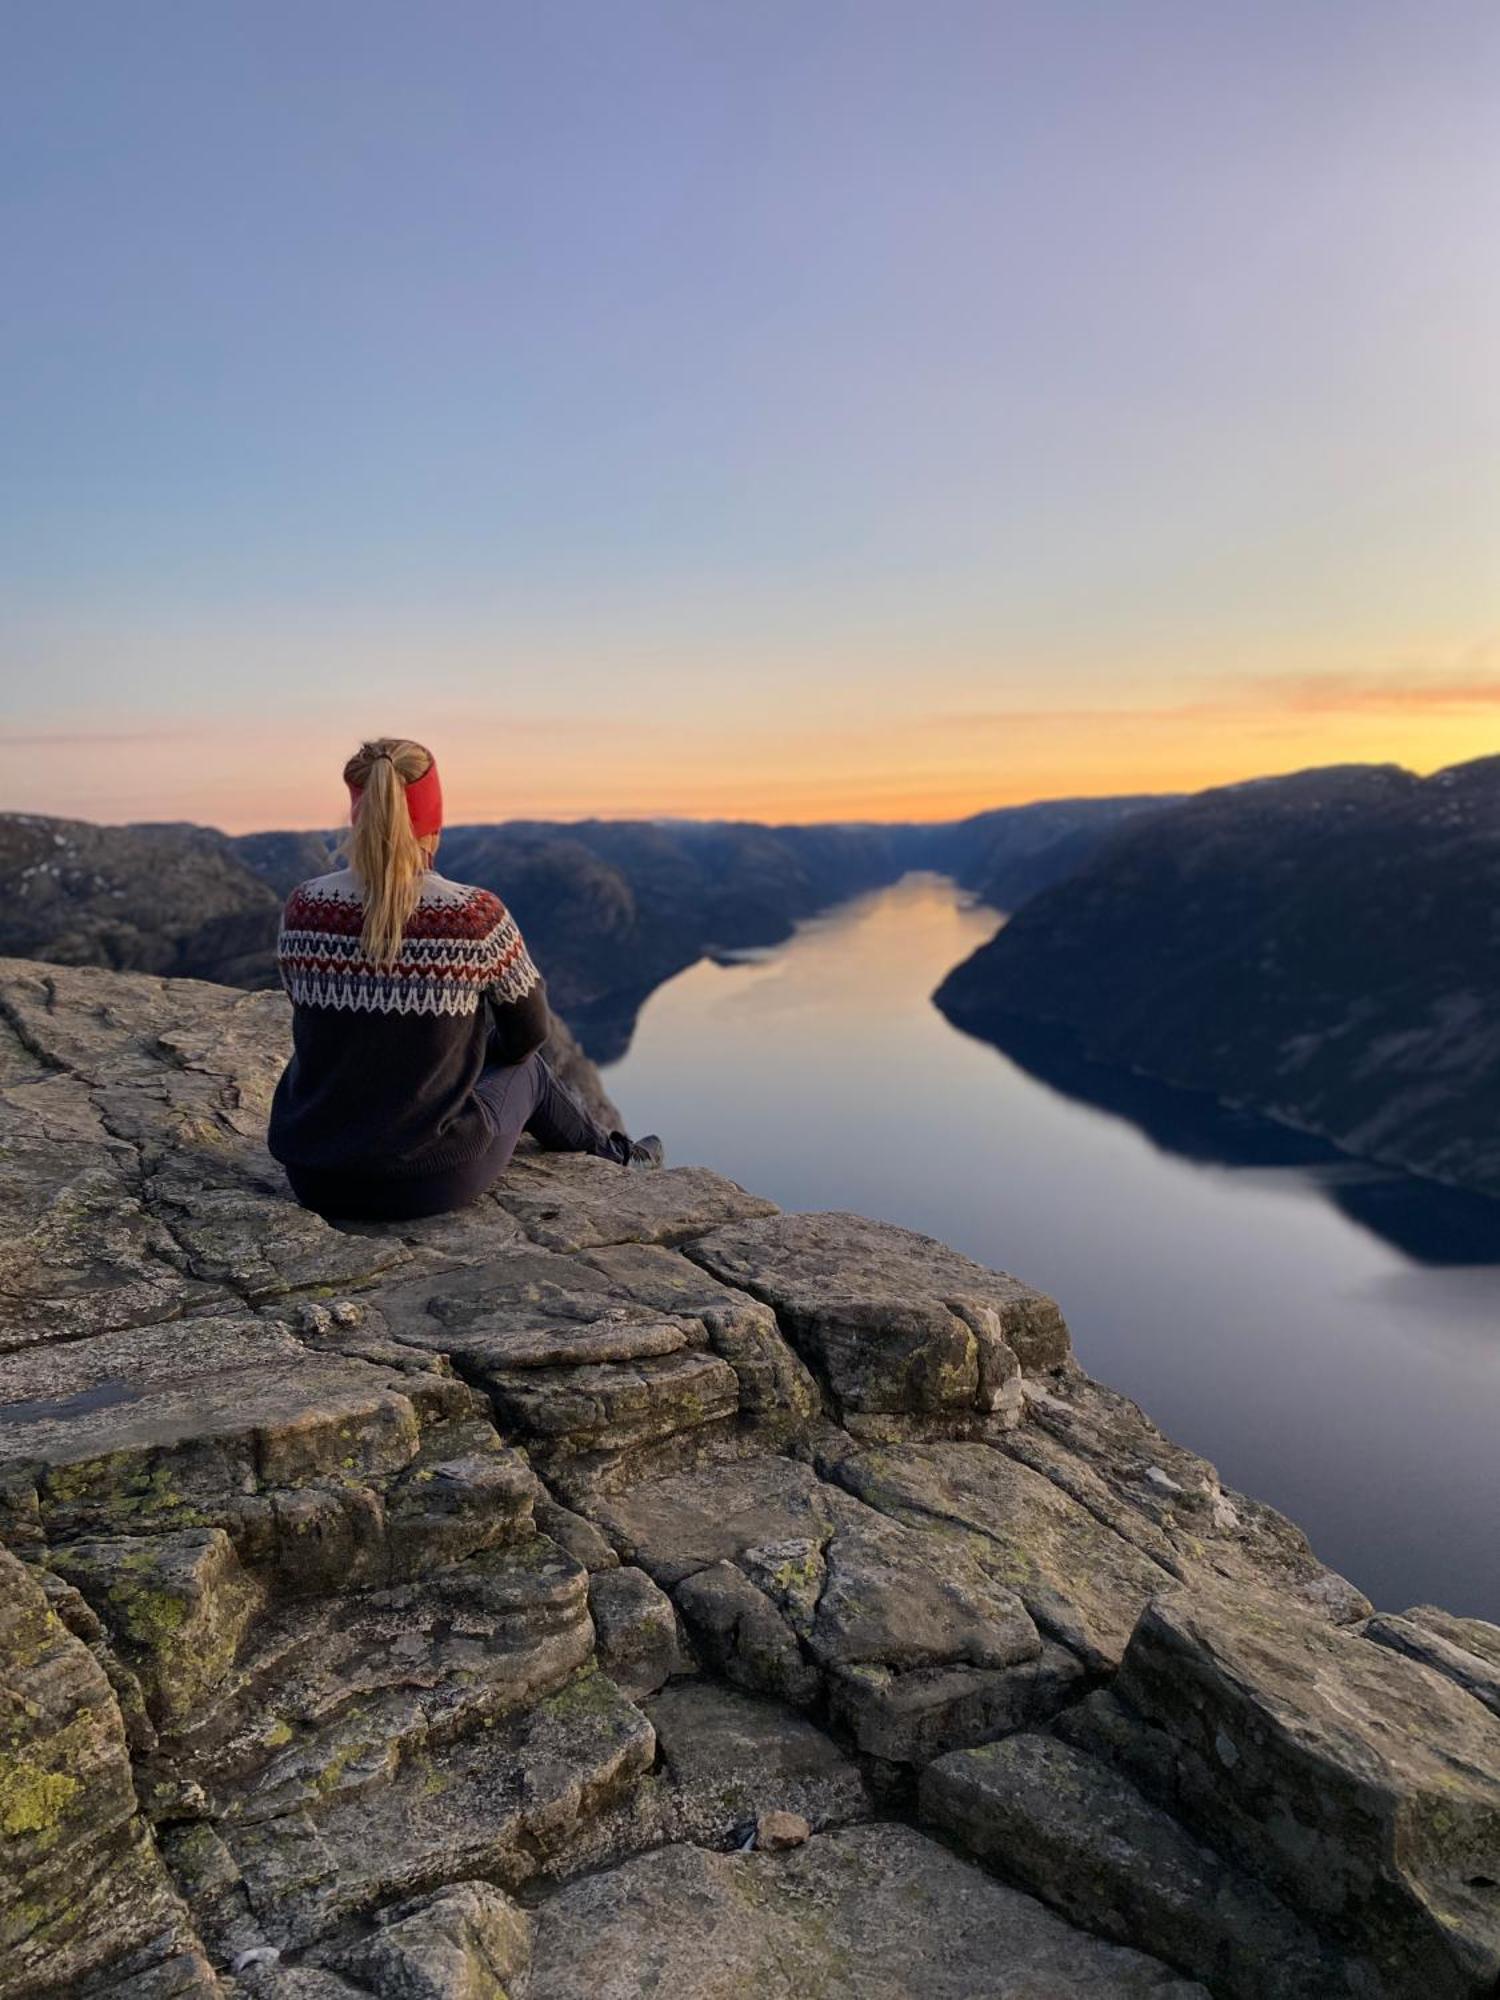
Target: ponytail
(382, 849)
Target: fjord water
(1327, 1333)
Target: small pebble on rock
(775, 1830)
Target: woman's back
(386, 1055)
(418, 1020)
(457, 942)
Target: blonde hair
(382, 850)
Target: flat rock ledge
(447, 1611)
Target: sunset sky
(775, 408)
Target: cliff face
(615, 1587)
(1323, 947)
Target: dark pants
(527, 1096)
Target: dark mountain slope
(1325, 947)
(171, 899)
(614, 907)
(611, 908)
(285, 859)
(1013, 853)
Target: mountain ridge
(1322, 947)
(611, 907)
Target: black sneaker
(647, 1152)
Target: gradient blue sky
(787, 409)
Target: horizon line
(648, 818)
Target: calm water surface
(1327, 1334)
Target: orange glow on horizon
(247, 777)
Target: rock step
(602, 1353)
(466, 1942)
(894, 1322)
(1359, 1785)
(530, 1793)
(1080, 1836)
(861, 1913)
(134, 1427)
(792, 1587)
(615, 1407)
(728, 1756)
(910, 1718)
(328, 1695)
(322, 1468)
(176, 1607)
(638, 1636)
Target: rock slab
(393, 1609)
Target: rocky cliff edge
(622, 1587)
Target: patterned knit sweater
(385, 1058)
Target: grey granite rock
(1467, 1650)
(1359, 1785)
(1083, 1583)
(582, 1540)
(83, 1887)
(739, 1633)
(614, 1352)
(177, 1607)
(896, 1323)
(81, 1253)
(1105, 1452)
(1064, 1825)
(730, 1757)
(350, 1554)
(466, 1942)
(307, 1460)
(865, 1913)
(1471, 1635)
(575, 1203)
(773, 1378)
(911, 1717)
(793, 1588)
(636, 1632)
(710, 1513)
(517, 1797)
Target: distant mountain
(610, 908)
(614, 907)
(1324, 947)
(284, 859)
(1014, 852)
(169, 899)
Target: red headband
(424, 802)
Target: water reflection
(1325, 1333)
(1430, 1224)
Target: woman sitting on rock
(418, 1020)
